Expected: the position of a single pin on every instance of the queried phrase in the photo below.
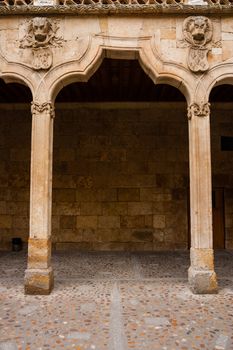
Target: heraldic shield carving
(42, 58)
(41, 34)
(198, 32)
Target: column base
(202, 281)
(38, 281)
(202, 278)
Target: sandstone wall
(120, 175)
(15, 139)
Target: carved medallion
(198, 33)
(40, 36)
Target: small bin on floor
(17, 244)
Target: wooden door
(218, 218)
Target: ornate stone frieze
(198, 33)
(198, 110)
(41, 35)
(100, 7)
(38, 108)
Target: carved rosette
(39, 108)
(198, 110)
(198, 33)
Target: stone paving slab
(116, 301)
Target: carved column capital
(198, 110)
(38, 108)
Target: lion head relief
(198, 30)
(41, 32)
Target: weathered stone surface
(86, 221)
(108, 221)
(39, 253)
(202, 258)
(202, 281)
(140, 208)
(68, 221)
(8, 345)
(91, 208)
(5, 221)
(133, 221)
(128, 194)
(202, 278)
(159, 221)
(38, 281)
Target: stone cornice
(118, 9)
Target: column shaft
(39, 275)
(202, 277)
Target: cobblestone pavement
(116, 301)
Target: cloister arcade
(120, 129)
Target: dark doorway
(218, 218)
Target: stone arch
(17, 78)
(81, 70)
(221, 161)
(219, 75)
(16, 73)
(17, 90)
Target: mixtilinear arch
(45, 86)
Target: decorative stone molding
(198, 110)
(115, 7)
(38, 108)
(198, 33)
(219, 3)
(41, 34)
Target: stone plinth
(39, 275)
(202, 278)
(38, 281)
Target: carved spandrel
(198, 110)
(39, 108)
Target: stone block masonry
(15, 136)
(120, 177)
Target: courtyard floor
(116, 301)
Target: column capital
(201, 109)
(38, 108)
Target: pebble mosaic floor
(116, 301)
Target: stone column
(202, 278)
(39, 274)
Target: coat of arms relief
(41, 35)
